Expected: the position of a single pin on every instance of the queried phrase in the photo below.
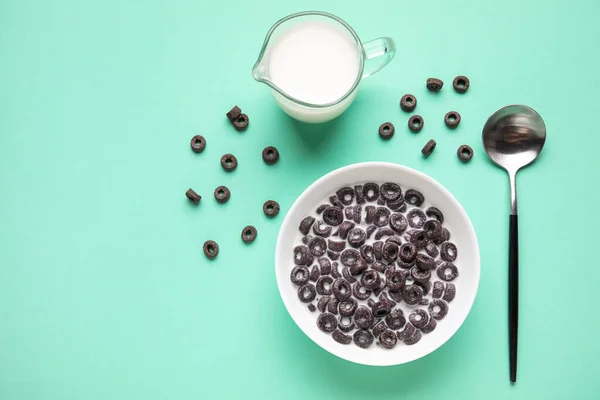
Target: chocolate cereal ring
(382, 216)
(358, 192)
(301, 255)
(450, 292)
(371, 191)
(333, 255)
(341, 289)
(314, 274)
(447, 271)
(414, 339)
(332, 306)
(448, 251)
(398, 222)
(438, 309)
(443, 238)
(386, 130)
(270, 155)
(357, 237)
(317, 246)
(305, 225)
(193, 196)
(419, 318)
(198, 144)
(335, 201)
(363, 338)
(390, 191)
(211, 249)
(341, 337)
(415, 123)
(335, 272)
(434, 84)
(378, 250)
(434, 212)
(333, 216)
(408, 252)
(307, 293)
(346, 195)
(426, 263)
(327, 322)
(416, 218)
(385, 231)
(395, 320)
(379, 328)
(438, 289)
(407, 332)
(241, 122)
(408, 103)
(322, 303)
(419, 274)
(325, 265)
(344, 228)
(433, 228)
(419, 239)
(395, 280)
(349, 257)
(412, 294)
(320, 229)
(465, 153)
(360, 292)
(299, 275)
(452, 119)
(388, 339)
(233, 114)
(323, 285)
(347, 275)
(366, 253)
(363, 318)
(390, 252)
(414, 197)
(370, 279)
(229, 162)
(336, 245)
(461, 84)
(271, 208)
(370, 230)
(346, 324)
(358, 268)
(430, 326)
(347, 307)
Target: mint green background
(104, 291)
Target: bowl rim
(403, 169)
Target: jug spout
(259, 71)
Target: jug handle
(378, 53)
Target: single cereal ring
(415, 123)
(360, 197)
(426, 286)
(357, 237)
(322, 303)
(346, 324)
(382, 216)
(370, 230)
(193, 196)
(312, 308)
(426, 263)
(249, 234)
(434, 212)
(270, 155)
(448, 251)
(370, 279)
(363, 318)
(378, 250)
(394, 239)
(450, 292)
(305, 225)
(335, 201)
(363, 338)
(419, 318)
(434, 84)
(414, 197)
(380, 309)
(234, 114)
(341, 337)
(386, 130)
(395, 280)
(408, 103)
(447, 271)
(419, 274)
(347, 307)
(357, 214)
(333, 255)
(211, 249)
(390, 191)
(416, 218)
(428, 148)
(465, 153)
(408, 252)
(325, 265)
(198, 144)
(301, 255)
(332, 306)
(397, 204)
(443, 238)
(323, 285)
(452, 119)
(307, 293)
(438, 309)
(432, 249)
(336, 245)
(327, 322)
(320, 229)
(349, 257)
(366, 253)
(398, 222)
(229, 162)
(345, 195)
(241, 122)
(333, 216)
(419, 239)
(371, 191)
(360, 292)
(390, 252)
(395, 320)
(384, 232)
(222, 194)
(412, 294)
(314, 274)
(299, 275)
(271, 208)
(461, 84)
(335, 272)
(342, 290)
(433, 228)
(438, 289)
(388, 339)
(317, 246)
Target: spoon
(513, 137)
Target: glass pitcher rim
(281, 91)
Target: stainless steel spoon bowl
(513, 137)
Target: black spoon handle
(513, 294)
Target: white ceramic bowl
(456, 220)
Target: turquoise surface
(104, 290)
